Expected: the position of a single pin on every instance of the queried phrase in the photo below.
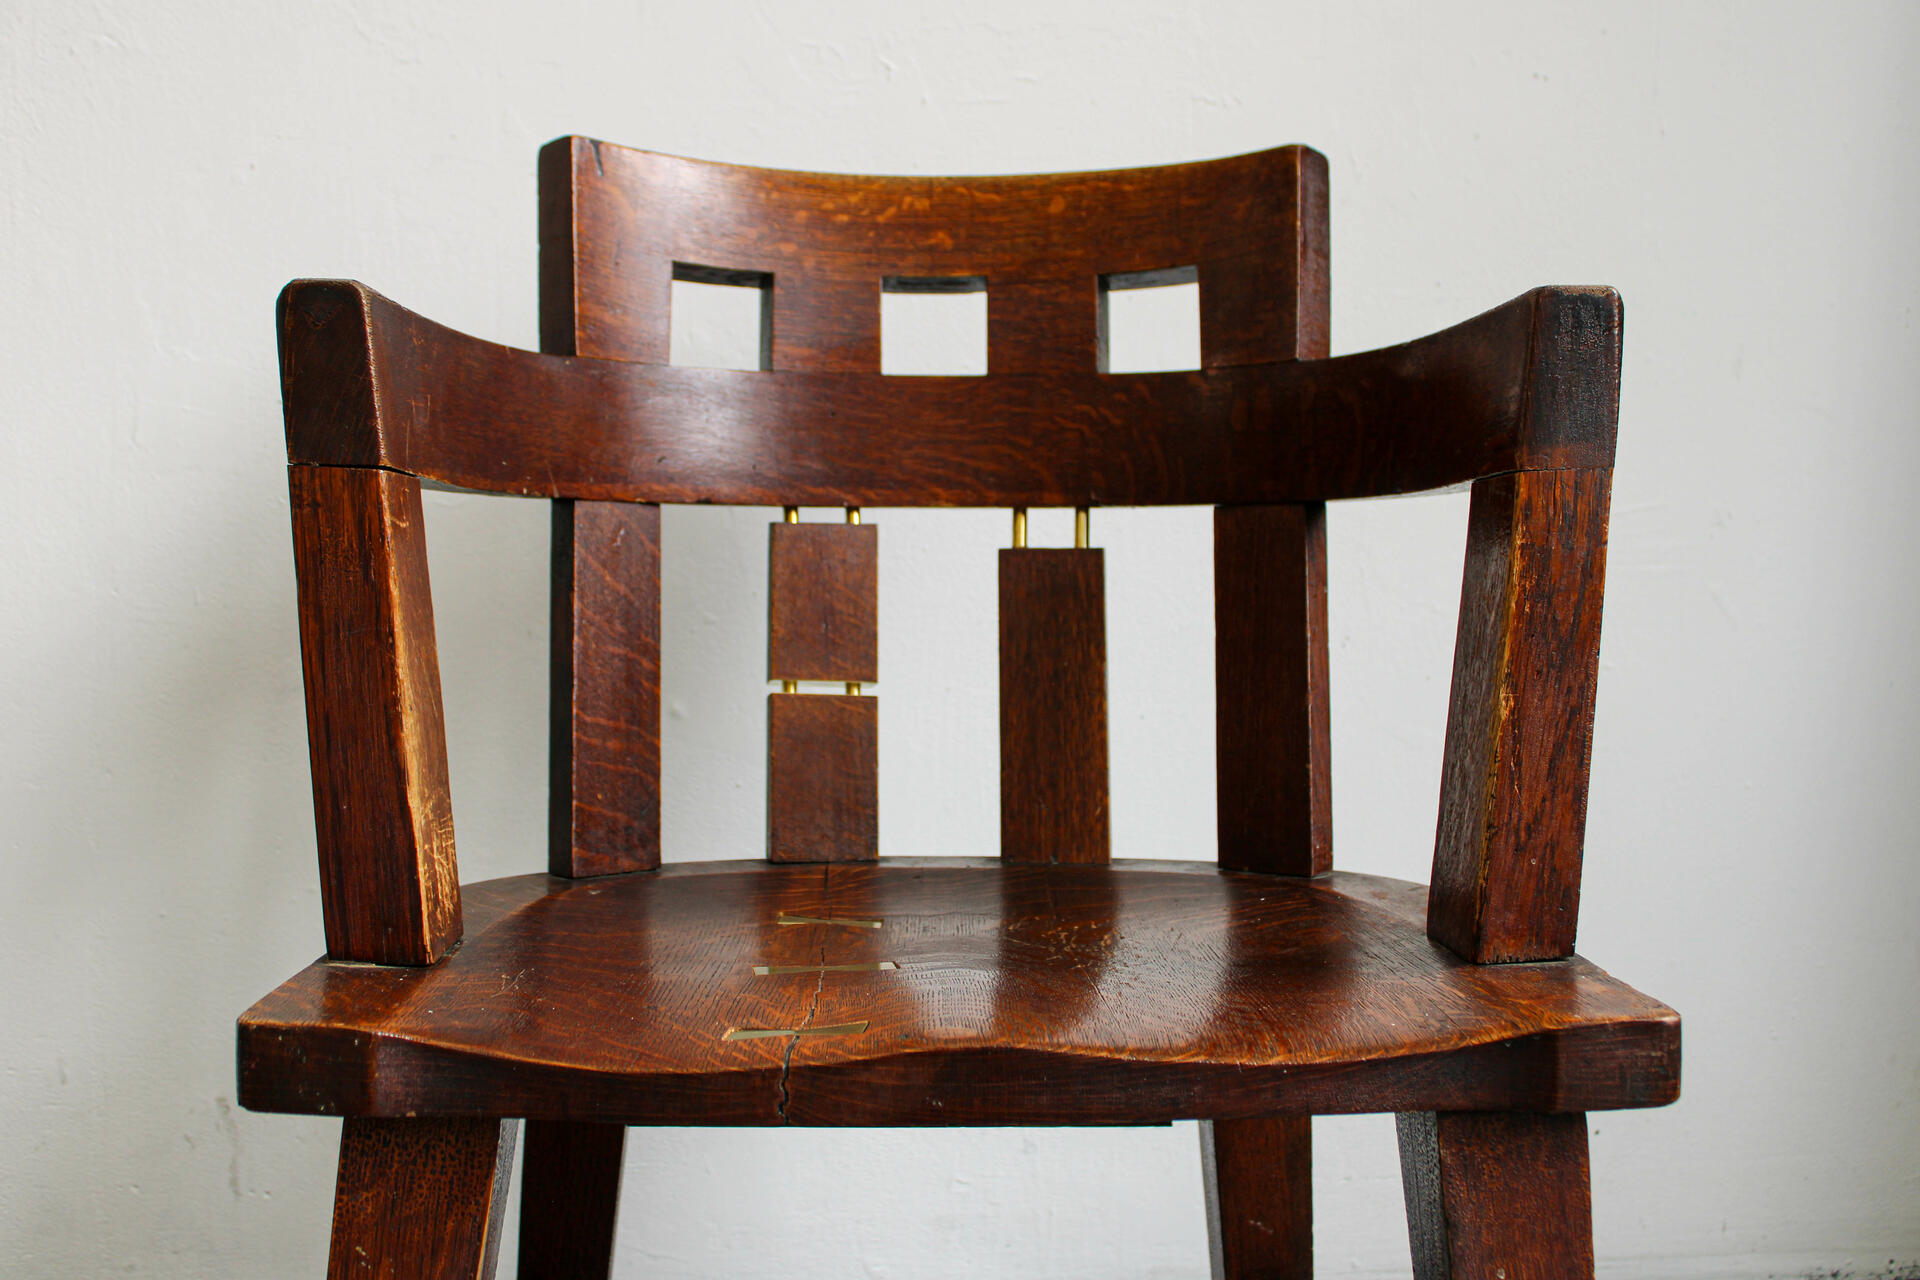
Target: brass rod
(1080, 530)
(1019, 526)
(853, 688)
(789, 686)
(793, 515)
(853, 515)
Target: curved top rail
(1530, 385)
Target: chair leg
(420, 1199)
(1497, 1196)
(569, 1196)
(1259, 1185)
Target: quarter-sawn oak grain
(823, 777)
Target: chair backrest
(1520, 401)
(618, 226)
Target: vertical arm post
(384, 818)
(1513, 788)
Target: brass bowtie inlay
(869, 966)
(768, 1033)
(788, 917)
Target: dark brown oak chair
(814, 983)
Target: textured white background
(1745, 176)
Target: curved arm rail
(1530, 385)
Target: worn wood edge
(345, 1073)
(617, 153)
(1570, 412)
(343, 409)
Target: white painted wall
(1744, 173)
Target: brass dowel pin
(1019, 526)
(793, 515)
(789, 686)
(1080, 523)
(853, 688)
(853, 515)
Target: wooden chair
(819, 984)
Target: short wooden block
(823, 778)
(1053, 705)
(824, 587)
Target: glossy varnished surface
(1038, 994)
(368, 383)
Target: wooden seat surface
(1136, 992)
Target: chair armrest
(1529, 385)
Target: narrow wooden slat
(1053, 705)
(1272, 718)
(1497, 1196)
(604, 705)
(1043, 326)
(603, 795)
(823, 796)
(569, 1199)
(1513, 789)
(823, 602)
(389, 883)
(826, 324)
(420, 1198)
(1259, 1188)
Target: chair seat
(929, 991)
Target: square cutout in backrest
(720, 318)
(1150, 320)
(933, 325)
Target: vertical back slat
(604, 753)
(1513, 786)
(389, 884)
(823, 750)
(604, 716)
(1053, 706)
(1272, 721)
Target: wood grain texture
(823, 601)
(1259, 1189)
(368, 383)
(1131, 993)
(1497, 1197)
(389, 884)
(823, 777)
(420, 1198)
(1513, 788)
(604, 689)
(569, 1199)
(829, 239)
(1272, 710)
(1053, 705)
